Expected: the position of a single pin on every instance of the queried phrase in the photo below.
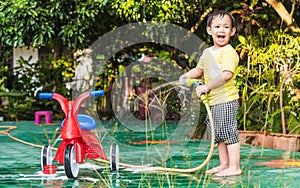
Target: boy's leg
(234, 161)
(223, 157)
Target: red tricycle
(78, 142)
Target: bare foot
(215, 170)
(229, 172)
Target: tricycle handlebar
(96, 93)
(45, 95)
(92, 94)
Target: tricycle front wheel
(70, 164)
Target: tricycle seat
(86, 122)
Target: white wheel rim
(73, 163)
(117, 157)
(114, 157)
(49, 157)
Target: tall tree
(64, 25)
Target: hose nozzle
(190, 82)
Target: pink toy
(38, 115)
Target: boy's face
(221, 30)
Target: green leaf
(242, 39)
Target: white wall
(25, 53)
(83, 70)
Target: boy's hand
(202, 89)
(182, 80)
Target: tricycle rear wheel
(114, 158)
(46, 156)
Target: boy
(219, 64)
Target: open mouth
(221, 36)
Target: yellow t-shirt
(214, 62)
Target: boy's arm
(220, 80)
(193, 73)
(217, 82)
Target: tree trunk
(281, 103)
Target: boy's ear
(233, 30)
(208, 29)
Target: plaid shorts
(225, 122)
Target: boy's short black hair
(220, 13)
